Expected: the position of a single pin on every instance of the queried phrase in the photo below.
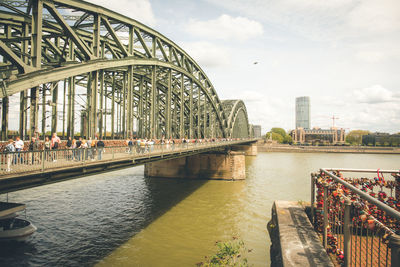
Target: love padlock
(371, 224)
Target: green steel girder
(37, 78)
(237, 118)
(181, 93)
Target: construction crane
(333, 120)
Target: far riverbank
(327, 149)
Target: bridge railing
(358, 218)
(42, 160)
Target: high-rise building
(303, 112)
(257, 131)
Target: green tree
(275, 137)
(355, 137)
(287, 139)
(279, 135)
(279, 131)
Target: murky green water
(121, 218)
(218, 210)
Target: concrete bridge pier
(249, 150)
(214, 165)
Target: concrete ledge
(294, 241)
(249, 149)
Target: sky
(343, 54)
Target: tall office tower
(257, 131)
(303, 112)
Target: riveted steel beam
(110, 29)
(54, 101)
(173, 96)
(38, 78)
(69, 31)
(142, 42)
(191, 110)
(17, 61)
(182, 108)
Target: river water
(121, 218)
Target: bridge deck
(29, 169)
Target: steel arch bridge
(117, 76)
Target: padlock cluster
(366, 218)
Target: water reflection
(188, 231)
(81, 221)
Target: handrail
(390, 211)
(362, 170)
(204, 144)
(39, 160)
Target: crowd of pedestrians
(144, 145)
(80, 149)
(15, 152)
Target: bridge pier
(249, 150)
(215, 165)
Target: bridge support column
(4, 118)
(218, 166)
(249, 150)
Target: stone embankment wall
(328, 149)
(294, 241)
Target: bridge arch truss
(109, 72)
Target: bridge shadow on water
(82, 221)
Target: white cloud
(271, 112)
(319, 3)
(371, 56)
(317, 20)
(377, 115)
(248, 96)
(374, 94)
(376, 16)
(323, 20)
(377, 50)
(226, 27)
(208, 54)
(381, 117)
(139, 10)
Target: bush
(228, 254)
(279, 135)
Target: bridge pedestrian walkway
(34, 165)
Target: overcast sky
(344, 54)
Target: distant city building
(257, 131)
(303, 112)
(381, 139)
(315, 136)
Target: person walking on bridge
(93, 147)
(78, 149)
(19, 146)
(9, 149)
(55, 143)
(99, 148)
(33, 146)
(89, 148)
(130, 145)
(47, 147)
(69, 146)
